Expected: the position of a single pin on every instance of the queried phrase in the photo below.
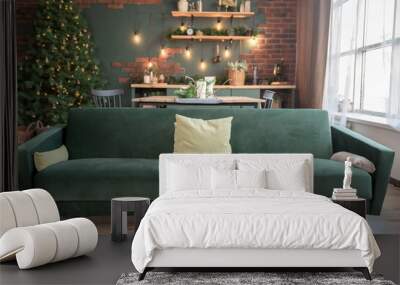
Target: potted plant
(237, 72)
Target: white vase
(242, 7)
(146, 79)
(247, 6)
(183, 5)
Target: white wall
(385, 136)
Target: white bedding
(250, 219)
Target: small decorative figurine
(347, 174)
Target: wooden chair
(108, 98)
(268, 95)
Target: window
(361, 48)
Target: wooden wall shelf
(211, 38)
(177, 86)
(212, 14)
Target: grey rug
(243, 278)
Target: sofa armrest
(344, 139)
(51, 139)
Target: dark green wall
(112, 30)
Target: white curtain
(393, 113)
(362, 72)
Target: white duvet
(250, 219)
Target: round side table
(119, 214)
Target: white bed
(196, 224)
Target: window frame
(360, 54)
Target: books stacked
(344, 194)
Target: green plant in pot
(237, 72)
(188, 92)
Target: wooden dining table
(161, 101)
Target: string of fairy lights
(137, 39)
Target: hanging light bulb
(203, 65)
(182, 27)
(218, 26)
(150, 64)
(188, 52)
(136, 38)
(253, 41)
(163, 52)
(227, 52)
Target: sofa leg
(364, 271)
(142, 275)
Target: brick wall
(277, 36)
(277, 39)
(135, 68)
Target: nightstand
(358, 205)
(119, 214)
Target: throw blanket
(250, 219)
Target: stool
(119, 214)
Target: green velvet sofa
(114, 152)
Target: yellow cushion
(202, 136)
(45, 159)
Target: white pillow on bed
(227, 179)
(223, 179)
(291, 175)
(251, 178)
(194, 176)
(293, 180)
(183, 178)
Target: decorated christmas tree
(59, 70)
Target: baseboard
(394, 182)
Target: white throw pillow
(356, 160)
(290, 174)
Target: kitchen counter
(157, 101)
(285, 95)
(176, 86)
